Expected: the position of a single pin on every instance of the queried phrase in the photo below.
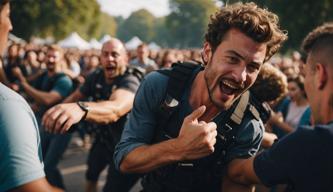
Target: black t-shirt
(303, 159)
(97, 89)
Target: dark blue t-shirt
(303, 159)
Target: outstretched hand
(61, 117)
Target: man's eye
(232, 59)
(252, 68)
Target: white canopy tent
(94, 44)
(133, 43)
(105, 38)
(74, 41)
(154, 46)
(14, 38)
(42, 41)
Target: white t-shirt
(294, 114)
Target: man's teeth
(229, 85)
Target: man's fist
(196, 138)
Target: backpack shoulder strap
(179, 75)
(230, 121)
(238, 113)
(138, 72)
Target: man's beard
(51, 67)
(226, 105)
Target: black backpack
(167, 178)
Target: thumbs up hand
(196, 138)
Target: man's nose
(51, 59)
(240, 74)
(110, 58)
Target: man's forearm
(147, 158)
(74, 97)
(40, 97)
(105, 112)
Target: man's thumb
(196, 113)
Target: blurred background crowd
(152, 43)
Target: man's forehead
(53, 52)
(112, 46)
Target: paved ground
(73, 167)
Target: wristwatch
(84, 108)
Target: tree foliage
(140, 23)
(298, 17)
(108, 25)
(55, 18)
(188, 21)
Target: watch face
(83, 106)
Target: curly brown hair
(257, 23)
(271, 84)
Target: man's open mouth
(230, 88)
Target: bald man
(112, 88)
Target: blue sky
(125, 7)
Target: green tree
(299, 17)
(55, 18)
(162, 35)
(108, 25)
(188, 21)
(140, 23)
(24, 16)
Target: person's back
(20, 152)
(305, 159)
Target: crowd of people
(179, 120)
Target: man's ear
(322, 75)
(206, 53)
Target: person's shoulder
(6, 94)
(134, 61)
(156, 77)
(321, 131)
(62, 76)
(154, 83)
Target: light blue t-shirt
(20, 149)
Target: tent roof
(105, 38)
(154, 46)
(133, 43)
(94, 44)
(74, 41)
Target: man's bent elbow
(125, 166)
(242, 177)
